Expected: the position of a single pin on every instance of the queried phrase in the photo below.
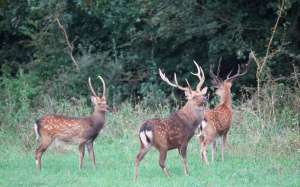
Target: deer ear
(204, 90)
(94, 100)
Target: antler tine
(91, 87)
(164, 78)
(189, 86)
(228, 76)
(181, 87)
(103, 83)
(238, 74)
(178, 86)
(200, 75)
(212, 74)
(219, 65)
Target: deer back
(66, 128)
(74, 129)
(219, 118)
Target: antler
(91, 87)
(200, 75)
(176, 85)
(216, 78)
(103, 83)
(238, 74)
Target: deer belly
(176, 141)
(71, 135)
(71, 139)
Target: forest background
(50, 48)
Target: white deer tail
(200, 128)
(146, 137)
(37, 134)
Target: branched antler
(176, 85)
(200, 75)
(238, 74)
(216, 80)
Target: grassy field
(254, 158)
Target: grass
(254, 158)
(115, 168)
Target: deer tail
(146, 135)
(36, 130)
(200, 128)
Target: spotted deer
(175, 131)
(217, 121)
(82, 130)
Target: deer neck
(192, 115)
(225, 99)
(99, 115)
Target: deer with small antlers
(175, 131)
(82, 131)
(217, 121)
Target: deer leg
(45, 142)
(139, 158)
(201, 139)
(204, 151)
(224, 138)
(162, 160)
(182, 152)
(213, 150)
(81, 154)
(90, 148)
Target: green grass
(254, 158)
(115, 167)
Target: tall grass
(21, 104)
(266, 144)
(255, 157)
(279, 109)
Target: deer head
(195, 97)
(98, 101)
(224, 86)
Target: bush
(280, 106)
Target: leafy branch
(69, 44)
(261, 62)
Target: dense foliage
(127, 41)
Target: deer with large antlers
(175, 131)
(82, 131)
(217, 121)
